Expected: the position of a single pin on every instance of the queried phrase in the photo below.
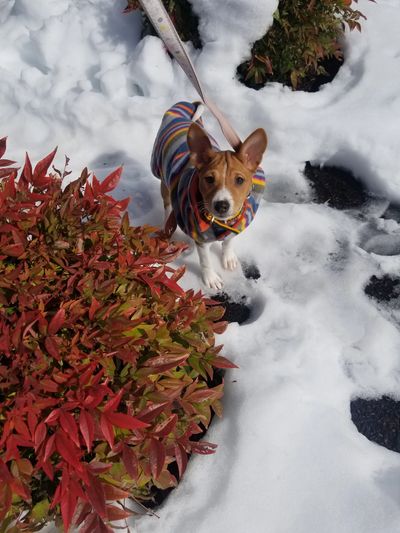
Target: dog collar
(222, 223)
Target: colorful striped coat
(170, 163)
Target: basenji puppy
(212, 194)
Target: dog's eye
(239, 180)
(209, 179)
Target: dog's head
(225, 178)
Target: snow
(289, 457)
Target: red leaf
(53, 417)
(26, 175)
(18, 488)
(86, 425)
(95, 493)
(107, 430)
(42, 166)
(171, 284)
(89, 524)
(50, 448)
(221, 362)
(83, 514)
(116, 513)
(98, 467)
(123, 204)
(48, 385)
(113, 404)
(13, 250)
(68, 424)
(87, 374)
(57, 497)
(32, 422)
(157, 457)
(67, 450)
(40, 434)
(166, 360)
(5, 500)
(203, 447)
(95, 397)
(3, 146)
(114, 493)
(125, 421)
(94, 306)
(166, 427)
(152, 411)
(48, 469)
(203, 395)
(68, 505)
(56, 322)
(181, 458)
(111, 181)
(22, 428)
(130, 461)
(4, 172)
(6, 162)
(219, 327)
(52, 347)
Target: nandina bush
(105, 362)
(304, 34)
(295, 49)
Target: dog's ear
(199, 146)
(252, 149)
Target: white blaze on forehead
(225, 171)
(223, 194)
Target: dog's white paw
(229, 260)
(211, 279)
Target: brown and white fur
(225, 181)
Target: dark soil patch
(392, 213)
(310, 84)
(383, 289)
(378, 420)
(235, 311)
(250, 271)
(336, 186)
(183, 18)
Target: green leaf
(41, 510)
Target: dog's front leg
(210, 277)
(229, 258)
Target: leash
(162, 23)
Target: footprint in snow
(243, 309)
(377, 419)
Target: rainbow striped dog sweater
(170, 163)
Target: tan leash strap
(162, 23)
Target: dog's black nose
(222, 207)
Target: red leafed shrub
(105, 362)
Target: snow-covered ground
(289, 459)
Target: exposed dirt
(235, 311)
(310, 84)
(378, 420)
(383, 289)
(336, 186)
(392, 213)
(183, 18)
(251, 271)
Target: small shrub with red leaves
(105, 362)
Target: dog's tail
(199, 111)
